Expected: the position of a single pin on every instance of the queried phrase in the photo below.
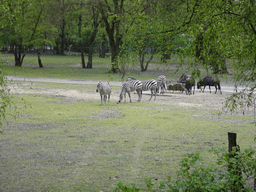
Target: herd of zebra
(155, 86)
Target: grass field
(52, 142)
(69, 67)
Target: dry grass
(62, 139)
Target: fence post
(238, 172)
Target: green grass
(52, 60)
(56, 143)
(69, 67)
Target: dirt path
(199, 100)
(224, 87)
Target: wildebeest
(189, 83)
(210, 81)
(105, 91)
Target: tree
(95, 21)
(227, 29)
(154, 30)
(22, 21)
(119, 16)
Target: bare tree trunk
(142, 58)
(80, 36)
(82, 58)
(39, 59)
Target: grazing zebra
(130, 86)
(104, 90)
(150, 85)
(161, 84)
(130, 79)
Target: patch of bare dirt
(199, 100)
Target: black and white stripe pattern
(130, 86)
(104, 90)
(150, 85)
(161, 84)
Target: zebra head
(99, 86)
(121, 96)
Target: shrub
(227, 174)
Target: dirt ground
(199, 100)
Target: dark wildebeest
(189, 83)
(210, 81)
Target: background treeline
(208, 32)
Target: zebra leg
(124, 97)
(151, 94)
(139, 95)
(155, 94)
(108, 98)
(129, 96)
(101, 98)
(105, 98)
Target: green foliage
(5, 98)
(193, 176)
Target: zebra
(161, 84)
(130, 79)
(104, 90)
(150, 85)
(130, 86)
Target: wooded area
(207, 31)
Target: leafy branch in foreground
(193, 176)
(5, 100)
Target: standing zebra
(104, 90)
(161, 84)
(130, 86)
(150, 85)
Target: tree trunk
(62, 36)
(231, 145)
(39, 59)
(224, 68)
(80, 43)
(82, 58)
(102, 49)
(114, 62)
(17, 56)
(89, 63)
(141, 58)
(56, 48)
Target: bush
(227, 174)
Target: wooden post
(231, 141)
(232, 144)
